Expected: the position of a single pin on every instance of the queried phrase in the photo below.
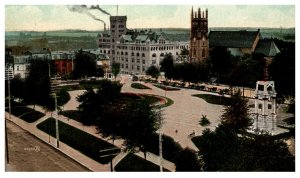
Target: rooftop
(232, 39)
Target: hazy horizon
(54, 18)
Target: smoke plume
(83, 9)
(101, 10)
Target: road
(27, 153)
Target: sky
(59, 17)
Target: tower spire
(192, 14)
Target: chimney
(206, 16)
(199, 13)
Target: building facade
(22, 65)
(199, 45)
(136, 51)
(63, 61)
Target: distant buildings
(136, 51)
(239, 43)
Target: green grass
(25, 113)
(214, 99)
(72, 114)
(133, 163)
(79, 140)
(166, 88)
(139, 86)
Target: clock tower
(199, 36)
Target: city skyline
(60, 17)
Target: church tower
(199, 36)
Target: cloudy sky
(58, 17)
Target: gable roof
(232, 39)
(267, 47)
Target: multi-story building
(199, 46)
(22, 65)
(63, 61)
(136, 51)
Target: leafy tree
(100, 72)
(236, 114)
(115, 68)
(93, 104)
(204, 121)
(184, 51)
(85, 65)
(37, 84)
(153, 71)
(220, 60)
(167, 65)
(282, 71)
(187, 161)
(63, 97)
(17, 85)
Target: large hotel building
(136, 51)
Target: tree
(220, 59)
(115, 68)
(153, 71)
(93, 104)
(37, 84)
(204, 121)
(167, 66)
(85, 65)
(187, 161)
(63, 97)
(236, 114)
(100, 72)
(282, 69)
(17, 85)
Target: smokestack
(104, 27)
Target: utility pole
(9, 116)
(56, 122)
(53, 90)
(160, 141)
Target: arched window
(154, 55)
(162, 54)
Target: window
(143, 54)
(138, 60)
(126, 53)
(126, 66)
(138, 67)
(137, 54)
(260, 88)
(153, 61)
(132, 54)
(260, 106)
(269, 106)
(132, 60)
(17, 68)
(144, 61)
(153, 55)
(203, 52)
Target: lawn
(139, 86)
(25, 113)
(166, 88)
(72, 114)
(214, 99)
(133, 163)
(80, 140)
